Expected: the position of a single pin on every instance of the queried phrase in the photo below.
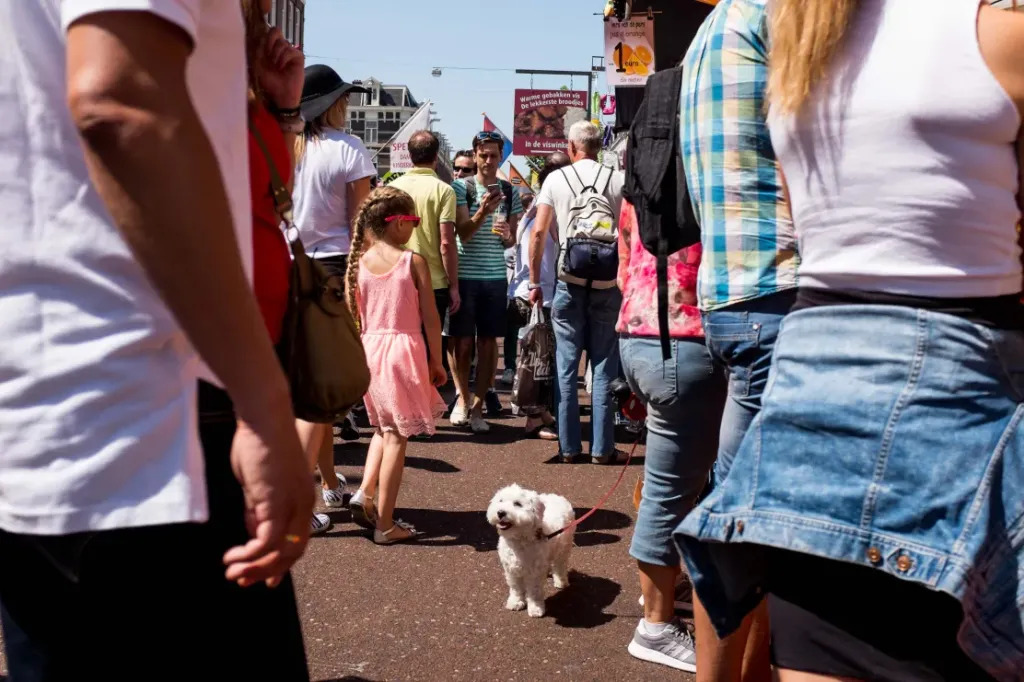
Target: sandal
(363, 512)
(384, 537)
(542, 432)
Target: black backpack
(656, 184)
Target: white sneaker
(478, 425)
(673, 647)
(335, 499)
(459, 417)
(320, 524)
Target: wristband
(294, 125)
(533, 286)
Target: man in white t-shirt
(126, 548)
(583, 314)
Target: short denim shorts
(889, 437)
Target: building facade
(290, 17)
(376, 116)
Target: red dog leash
(604, 499)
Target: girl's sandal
(363, 512)
(400, 532)
(542, 432)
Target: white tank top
(901, 168)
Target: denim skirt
(889, 437)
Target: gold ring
(294, 539)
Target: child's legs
(371, 472)
(311, 439)
(392, 465)
(325, 459)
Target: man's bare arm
(154, 167)
(542, 227)
(467, 225)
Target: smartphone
(494, 189)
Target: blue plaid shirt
(750, 247)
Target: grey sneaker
(673, 647)
(508, 377)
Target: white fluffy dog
(523, 519)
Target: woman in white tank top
(888, 459)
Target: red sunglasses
(411, 218)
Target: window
(287, 27)
(273, 11)
(296, 22)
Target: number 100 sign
(629, 51)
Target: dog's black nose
(502, 514)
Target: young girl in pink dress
(391, 289)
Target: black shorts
(483, 310)
(843, 620)
(149, 602)
(442, 299)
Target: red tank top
(271, 258)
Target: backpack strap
(470, 185)
(568, 183)
(506, 190)
(592, 186)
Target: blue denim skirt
(889, 437)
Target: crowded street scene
(577, 340)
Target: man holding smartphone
(487, 215)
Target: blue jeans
(684, 398)
(584, 319)
(741, 338)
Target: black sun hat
(321, 89)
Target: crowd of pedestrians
(833, 395)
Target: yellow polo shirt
(435, 204)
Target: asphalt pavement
(433, 610)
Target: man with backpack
(487, 215)
(580, 204)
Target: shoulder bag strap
(470, 185)
(282, 197)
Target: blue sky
(399, 41)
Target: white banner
(400, 160)
(629, 51)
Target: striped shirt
(483, 256)
(750, 248)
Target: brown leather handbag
(321, 349)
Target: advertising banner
(400, 159)
(543, 119)
(629, 52)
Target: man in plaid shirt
(748, 273)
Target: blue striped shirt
(483, 256)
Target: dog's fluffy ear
(538, 506)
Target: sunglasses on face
(408, 218)
(464, 169)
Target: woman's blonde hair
(381, 203)
(334, 118)
(805, 37)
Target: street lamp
(436, 72)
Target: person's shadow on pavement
(582, 604)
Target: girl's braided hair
(381, 203)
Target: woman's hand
(438, 376)
(281, 71)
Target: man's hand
(454, 299)
(537, 296)
(269, 463)
(489, 204)
(281, 71)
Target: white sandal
(383, 537)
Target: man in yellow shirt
(434, 239)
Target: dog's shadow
(582, 604)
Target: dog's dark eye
(516, 504)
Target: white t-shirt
(558, 193)
(321, 191)
(519, 287)
(98, 424)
